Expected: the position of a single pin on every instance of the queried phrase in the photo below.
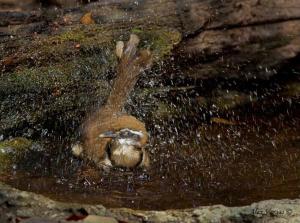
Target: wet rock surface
(12, 151)
(33, 208)
(224, 73)
(49, 58)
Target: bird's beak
(108, 134)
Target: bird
(126, 149)
(112, 138)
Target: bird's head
(127, 148)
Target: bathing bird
(112, 138)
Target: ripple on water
(233, 164)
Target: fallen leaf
(56, 92)
(10, 60)
(222, 121)
(87, 19)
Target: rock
(15, 5)
(97, 219)
(38, 220)
(225, 100)
(231, 40)
(62, 3)
(211, 214)
(235, 54)
(28, 204)
(238, 40)
(60, 83)
(199, 15)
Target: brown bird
(112, 138)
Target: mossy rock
(292, 89)
(165, 110)
(159, 40)
(12, 150)
(225, 100)
(62, 76)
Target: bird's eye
(136, 137)
(123, 134)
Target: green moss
(137, 31)
(19, 144)
(159, 40)
(57, 75)
(292, 89)
(70, 36)
(12, 150)
(163, 110)
(225, 100)
(54, 76)
(93, 34)
(32, 80)
(85, 41)
(94, 57)
(30, 95)
(73, 42)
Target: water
(252, 159)
(251, 156)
